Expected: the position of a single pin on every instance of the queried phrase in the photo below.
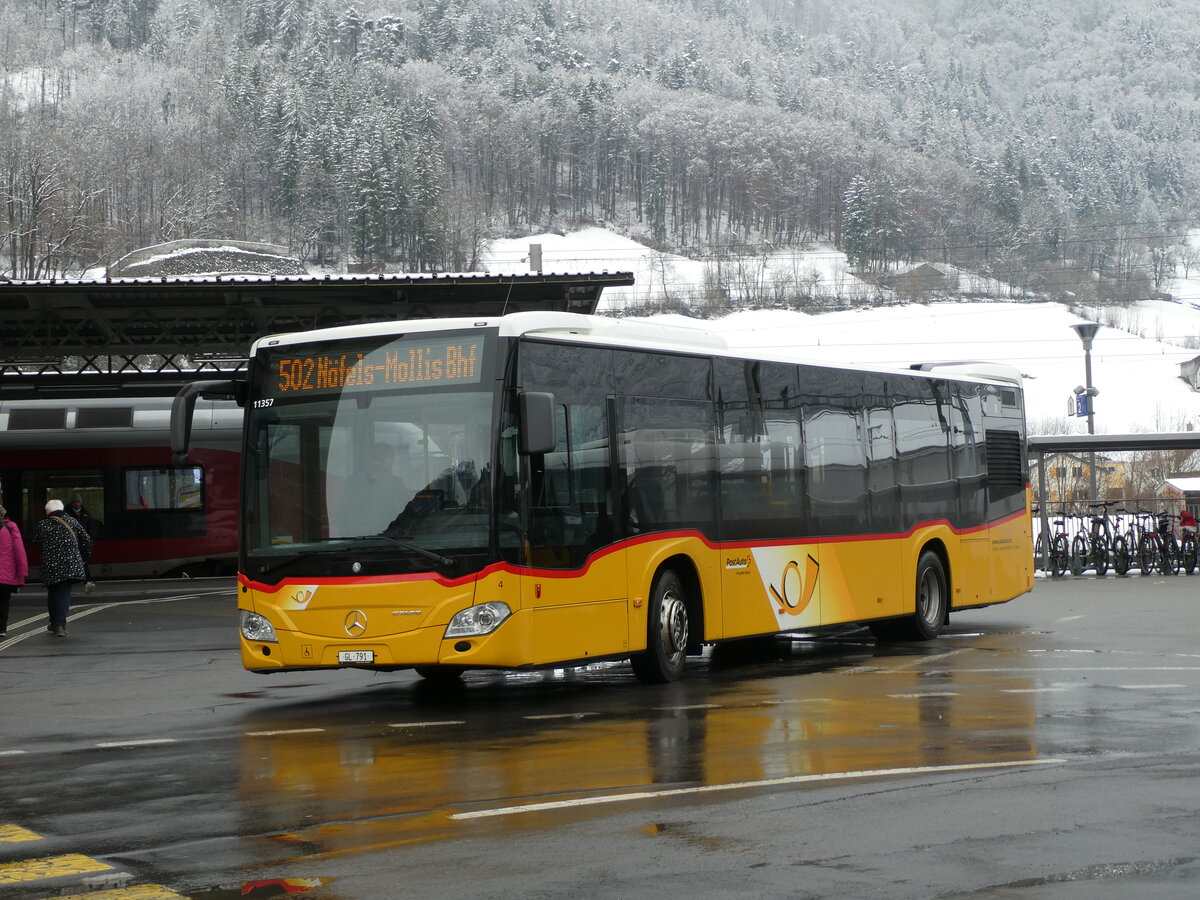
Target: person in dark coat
(65, 544)
(79, 513)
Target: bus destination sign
(405, 363)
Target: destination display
(419, 361)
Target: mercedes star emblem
(356, 623)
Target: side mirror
(184, 405)
(538, 433)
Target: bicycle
(1090, 547)
(1059, 548)
(1169, 558)
(1189, 552)
(1078, 559)
(1122, 556)
(1142, 540)
(1189, 548)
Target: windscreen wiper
(275, 567)
(446, 561)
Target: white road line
(425, 724)
(794, 701)
(743, 785)
(13, 752)
(578, 715)
(1069, 618)
(689, 706)
(1028, 670)
(1046, 690)
(284, 731)
(146, 742)
(1148, 687)
(82, 610)
(919, 661)
(918, 696)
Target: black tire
(1040, 551)
(1168, 558)
(932, 605)
(1147, 554)
(1079, 554)
(1059, 552)
(667, 632)
(1120, 555)
(1189, 554)
(1100, 554)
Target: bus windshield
(378, 464)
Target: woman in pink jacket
(14, 565)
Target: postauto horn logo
(789, 577)
(795, 590)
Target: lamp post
(1087, 331)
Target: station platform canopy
(151, 334)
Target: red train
(153, 517)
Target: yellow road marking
(50, 867)
(137, 892)
(15, 834)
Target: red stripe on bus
(686, 534)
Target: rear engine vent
(1005, 463)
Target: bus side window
(570, 502)
(923, 471)
(670, 459)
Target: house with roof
(1189, 371)
(1182, 490)
(923, 279)
(1069, 477)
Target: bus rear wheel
(932, 607)
(666, 633)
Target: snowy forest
(1044, 142)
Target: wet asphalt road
(1044, 748)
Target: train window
(173, 488)
(40, 485)
(104, 417)
(34, 419)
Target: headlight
(476, 620)
(257, 628)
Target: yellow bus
(554, 489)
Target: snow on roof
(207, 257)
(1186, 484)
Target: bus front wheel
(666, 633)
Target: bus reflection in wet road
(321, 780)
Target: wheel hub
(675, 625)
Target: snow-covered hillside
(1135, 358)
